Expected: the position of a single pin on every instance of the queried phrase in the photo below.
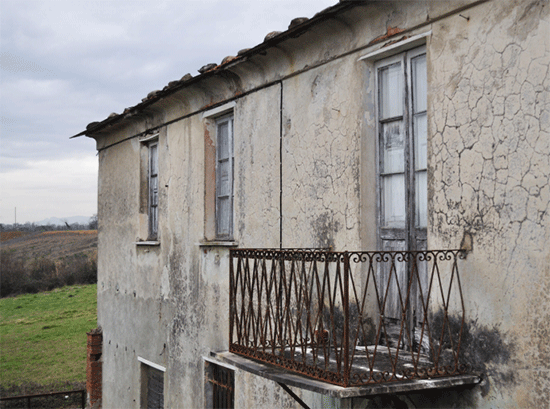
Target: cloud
(16, 64)
(65, 64)
(46, 188)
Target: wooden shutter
(224, 178)
(155, 388)
(153, 190)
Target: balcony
(351, 319)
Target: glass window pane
(153, 154)
(421, 199)
(420, 83)
(394, 145)
(420, 141)
(224, 216)
(153, 222)
(223, 179)
(394, 200)
(391, 91)
(223, 140)
(154, 190)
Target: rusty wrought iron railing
(349, 318)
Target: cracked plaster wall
(321, 157)
(257, 181)
(489, 170)
(489, 176)
(169, 303)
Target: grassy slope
(43, 336)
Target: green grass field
(43, 336)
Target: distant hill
(56, 221)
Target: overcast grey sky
(65, 64)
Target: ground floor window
(152, 385)
(219, 386)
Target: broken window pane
(394, 200)
(394, 145)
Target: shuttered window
(224, 178)
(155, 389)
(152, 385)
(153, 190)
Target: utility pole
(15, 217)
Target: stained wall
(305, 172)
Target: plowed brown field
(52, 244)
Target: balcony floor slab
(289, 378)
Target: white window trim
(397, 48)
(219, 363)
(151, 364)
(148, 138)
(219, 111)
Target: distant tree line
(32, 227)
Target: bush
(42, 270)
(79, 269)
(13, 275)
(44, 274)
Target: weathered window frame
(151, 372)
(218, 229)
(219, 387)
(413, 218)
(150, 189)
(224, 177)
(153, 190)
(404, 114)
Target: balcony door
(402, 172)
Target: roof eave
(95, 128)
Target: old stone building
(402, 126)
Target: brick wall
(93, 367)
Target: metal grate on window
(155, 389)
(220, 386)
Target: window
(153, 190)
(219, 175)
(402, 157)
(402, 85)
(152, 385)
(224, 178)
(220, 386)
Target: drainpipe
(281, 167)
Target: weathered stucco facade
(305, 176)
